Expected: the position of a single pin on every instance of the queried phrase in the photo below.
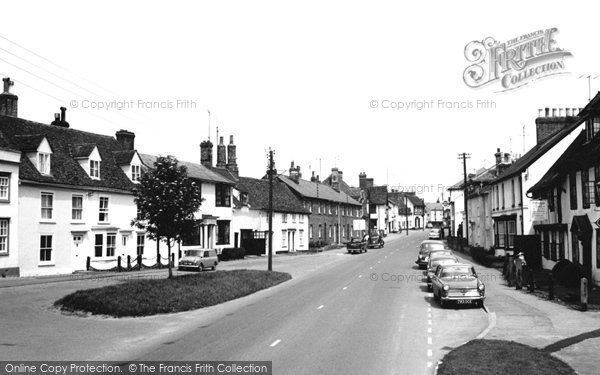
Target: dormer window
(95, 169)
(136, 173)
(44, 163)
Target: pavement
(569, 334)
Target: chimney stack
(364, 182)
(232, 158)
(548, 125)
(336, 178)
(221, 154)
(314, 178)
(206, 154)
(295, 174)
(61, 119)
(126, 139)
(8, 101)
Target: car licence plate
(463, 301)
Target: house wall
(481, 224)
(9, 261)
(327, 220)
(67, 256)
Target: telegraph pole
(271, 172)
(406, 208)
(464, 156)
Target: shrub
(316, 244)
(229, 253)
(558, 270)
(569, 274)
(478, 254)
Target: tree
(167, 200)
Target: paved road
(369, 314)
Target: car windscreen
(457, 272)
(425, 248)
(443, 261)
(193, 253)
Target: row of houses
(545, 202)
(66, 199)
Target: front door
(78, 259)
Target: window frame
(98, 246)
(46, 251)
(44, 164)
(76, 209)
(573, 190)
(222, 195)
(136, 173)
(49, 208)
(6, 176)
(140, 245)
(94, 171)
(103, 210)
(111, 244)
(6, 242)
(223, 239)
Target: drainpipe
(522, 203)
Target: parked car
(375, 241)
(457, 283)
(435, 234)
(356, 245)
(199, 259)
(425, 249)
(436, 259)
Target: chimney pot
(547, 110)
(8, 101)
(553, 112)
(231, 139)
(540, 112)
(560, 112)
(567, 111)
(126, 139)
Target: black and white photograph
(285, 187)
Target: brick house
(332, 212)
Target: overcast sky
(296, 77)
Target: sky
(308, 79)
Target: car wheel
(200, 268)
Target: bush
(558, 268)
(569, 274)
(478, 253)
(230, 253)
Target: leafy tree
(166, 199)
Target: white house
(511, 207)
(65, 196)
(290, 218)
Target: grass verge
(160, 296)
(501, 357)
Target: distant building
(332, 212)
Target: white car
(199, 259)
(435, 234)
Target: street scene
(316, 188)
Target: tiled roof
(416, 201)
(123, 157)
(23, 135)
(195, 170)
(318, 190)
(399, 200)
(82, 150)
(225, 173)
(578, 155)
(378, 195)
(521, 164)
(434, 206)
(258, 195)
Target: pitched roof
(354, 192)
(378, 195)
(416, 201)
(434, 206)
(318, 190)
(24, 135)
(577, 156)
(123, 157)
(195, 170)
(258, 195)
(399, 200)
(82, 150)
(521, 164)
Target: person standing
(519, 265)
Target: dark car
(375, 241)
(436, 259)
(425, 248)
(356, 245)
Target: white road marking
(275, 343)
(344, 288)
(430, 295)
(429, 364)
(378, 261)
(320, 307)
(429, 309)
(370, 268)
(429, 330)
(429, 315)
(429, 353)
(429, 340)
(359, 276)
(429, 322)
